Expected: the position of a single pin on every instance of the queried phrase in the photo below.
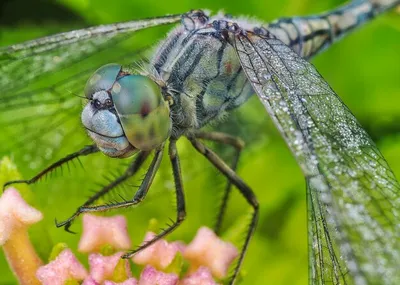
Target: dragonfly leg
(133, 168)
(245, 190)
(139, 195)
(238, 144)
(83, 152)
(180, 201)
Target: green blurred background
(364, 69)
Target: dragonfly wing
(40, 123)
(39, 114)
(353, 196)
(21, 63)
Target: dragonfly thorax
(203, 71)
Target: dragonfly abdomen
(309, 35)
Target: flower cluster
(105, 239)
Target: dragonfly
(206, 66)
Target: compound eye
(97, 104)
(102, 79)
(108, 103)
(143, 113)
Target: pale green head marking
(143, 113)
(102, 79)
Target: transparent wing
(353, 196)
(39, 109)
(23, 62)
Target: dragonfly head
(125, 112)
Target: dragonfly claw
(66, 224)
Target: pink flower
(208, 250)
(15, 217)
(15, 213)
(160, 254)
(202, 276)
(151, 276)
(207, 253)
(100, 231)
(63, 268)
(103, 267)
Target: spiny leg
(180, 200)
(83, 152)
(139, 195)
(132, 169)
(246, 191)
(238, 144)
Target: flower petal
(201, 276)
(209, 250)
(15, 217)
(90, 281)
(15, 213)
(102, 267)
(100, 231)
(151, 276)
(64, 267)
(160, 254)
